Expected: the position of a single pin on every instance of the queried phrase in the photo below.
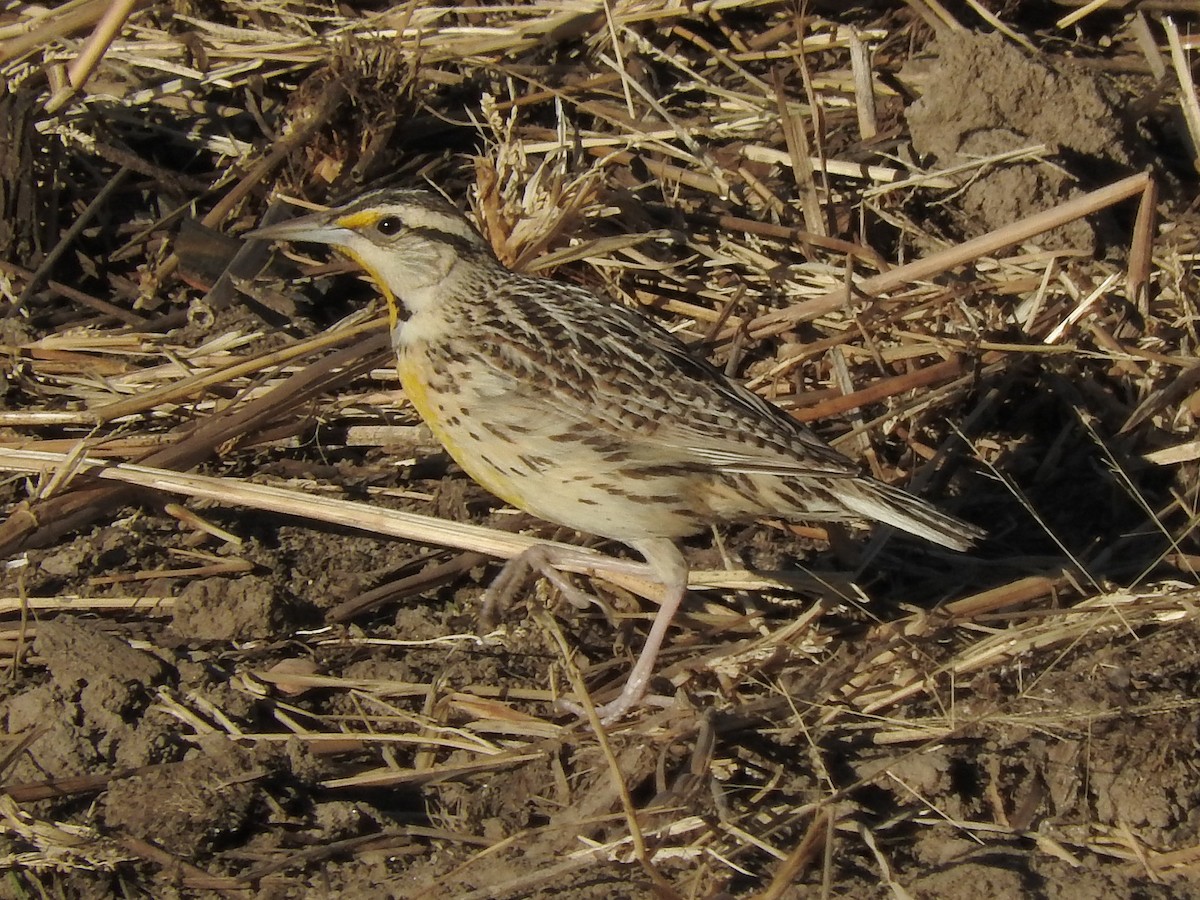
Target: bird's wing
(727, 426)
(624, 374)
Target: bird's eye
(389, 225)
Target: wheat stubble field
(240, 643)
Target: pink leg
(669, 565)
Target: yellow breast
(469, 453)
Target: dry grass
(745, 173)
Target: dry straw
(764, 208)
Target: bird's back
(587, 413)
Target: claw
(663, 559)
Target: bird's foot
(664, 563)
(631, 697)
(547, 561)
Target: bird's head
(408, 241)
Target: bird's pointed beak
(318, 228)
(336, 228)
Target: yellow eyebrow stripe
(359, 219)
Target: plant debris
(242, 580)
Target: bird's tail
(882, 503)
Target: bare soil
(214, 709)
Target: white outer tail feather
(882, 503)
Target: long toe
(631, 697)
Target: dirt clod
(223, 676)
(187, 807)
(227, 609)
(981, 95)
(78, 653)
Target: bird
(584, 411)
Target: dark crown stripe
(439, 235)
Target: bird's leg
(669, 565)
(663, 561)
(547, 561)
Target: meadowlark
(585, 412)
